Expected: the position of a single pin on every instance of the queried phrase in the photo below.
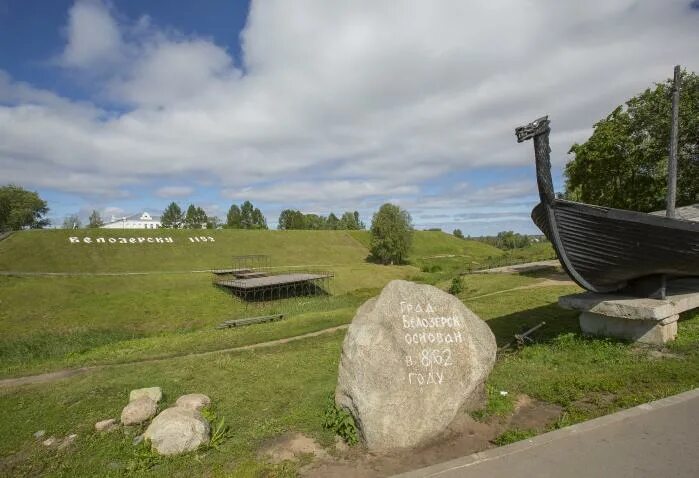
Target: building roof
(688, 213)
(135, 217)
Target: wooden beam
(672, 163)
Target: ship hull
(606, 250)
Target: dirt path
(545, 283)
(526, 267)
(143, 273)
(65, 373)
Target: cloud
(174, 192)
(338, 103)
(93, 36)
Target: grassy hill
(427, 244)
(52, 251)
(54, 322)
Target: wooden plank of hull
(603, 249)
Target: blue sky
(127, 105)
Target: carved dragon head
(535, 128)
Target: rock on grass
(177, 430)
(138, 411)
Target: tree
(391, 234)
(172, 216)
(195, 218)
(213, 222)
(291, 219)
(314, 222)
(233, 217)
(246, 211)
(624, 163)
(358, 221)
(246, 216)
(511, 240)
(72, 221)
(332, 222)
(458, 233)
(21, 209)
(95, 220)
(258, 220)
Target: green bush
(340, 421)
(456, 286)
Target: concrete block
(646, 331)
(682, 295)
(651, 321)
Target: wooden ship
(607, 250)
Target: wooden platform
(250, 320)
(220, 272)
(271, 281)
(250, 275)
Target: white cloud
(174, 192)
(93, 36)
(339, 103)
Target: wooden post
(672, 163)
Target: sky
(126, 105)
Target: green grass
(50, 323)
(592, 377)
(434, 243)
(587, 377)
(51, 251)
(513, 435)
(261, 394)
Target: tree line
(294, 219)
(507, 240)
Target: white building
(143, 221)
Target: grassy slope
(50, 323)
(55, 322)
(51, 251)
(435, 243)
(587, 377)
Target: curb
(539, 440)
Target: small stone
(137, 440)
(193, 401)
(39, 434)
(154, 393)
(67, 441)
(106, 425)
(177, 430)
(50, 441)
(138, 411)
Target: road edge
(545, 438)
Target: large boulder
(138, 411)
(412, 359)
(177, 430)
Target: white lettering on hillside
(424, 328)
(201, 239)
(134, 240)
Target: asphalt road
(659, 439)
